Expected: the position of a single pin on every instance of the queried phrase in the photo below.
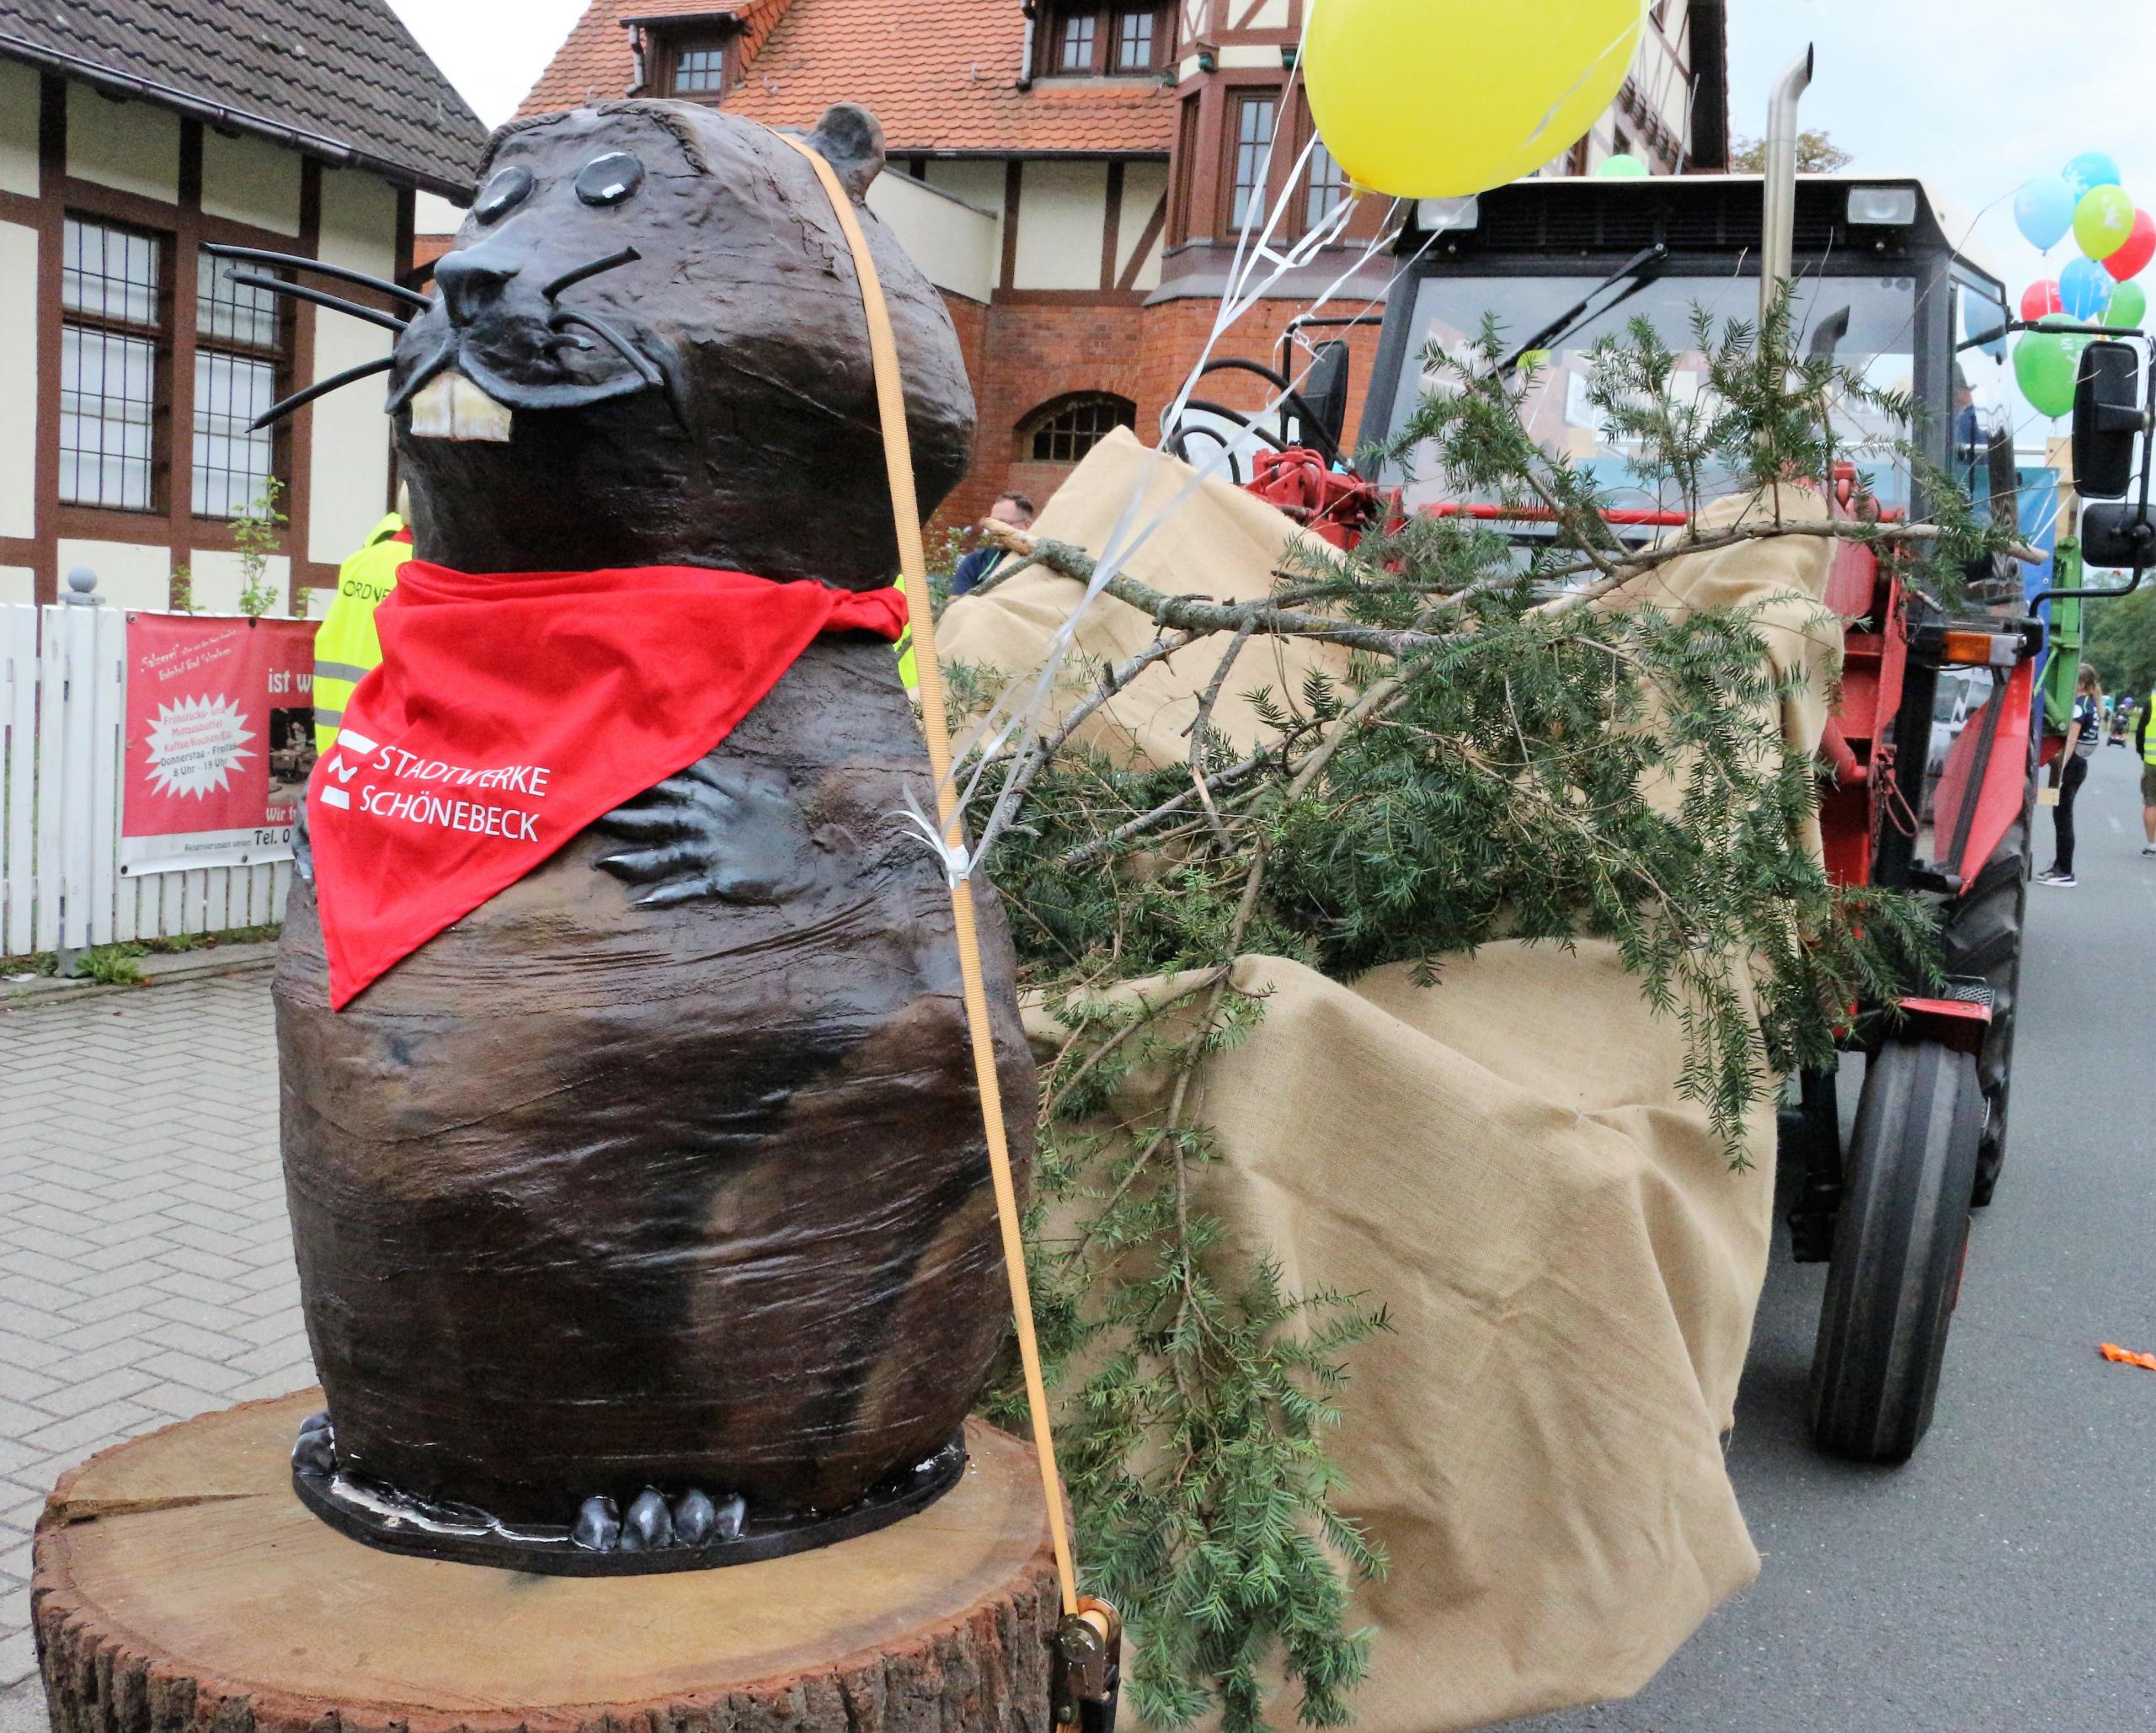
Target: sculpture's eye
(502, 194)
(609, 179)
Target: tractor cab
(1884, 280)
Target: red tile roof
(942, 78)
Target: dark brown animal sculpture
(643, 1216)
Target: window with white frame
(115, 328)
(1328, 186)
(239, 366)
(1256, 119)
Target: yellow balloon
(1435, 99)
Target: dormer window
(690, 55)
(1080, 46)
(700, 72)
(1135, 33)
(1087, 39)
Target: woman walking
(2070, 769)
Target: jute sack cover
(1505, 1162)
(1217, 540)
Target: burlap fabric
(1505, 1162)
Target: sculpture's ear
(851, 140)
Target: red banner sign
(220, 740)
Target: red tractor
(1882, 286)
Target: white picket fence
(63, 690)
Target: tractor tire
(1899, 1245)
(1982, 938)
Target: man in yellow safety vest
(345, 647)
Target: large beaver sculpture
(642, 1215)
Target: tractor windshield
(1866, 323)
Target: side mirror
(2119, 535)
(1326, 389)
(2106, 417)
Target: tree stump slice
(180, 1585)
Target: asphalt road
(2005, 1577)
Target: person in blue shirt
(1012, 509)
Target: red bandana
(510, 711)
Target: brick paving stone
(146, 1262)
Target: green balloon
(1624, 166)
(2129, 301)
(2045, 365)
(2103, 221)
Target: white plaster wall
(954, 245)
(349, 482)
(18, 380)
(1245, 56)
(20, 98)
(1062, 226)
(219, 579)
(977, 180)
(129, 575)
(359, 221)
(1144, 183)
(129, 146)
(250, 180)
(18, 583)
(434, 215)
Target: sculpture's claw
(642, 824)
(693, 1518)
(598, 1526)
(647, 1526)
(316, 1451)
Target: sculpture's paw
(651, 1525)
(316, 1451)
(729, 834)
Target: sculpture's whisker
(335, 303)
(343, 273)
(628, 255)
(320, 388)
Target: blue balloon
(2091, 168)
(2043, 210)
(2084, 289)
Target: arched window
(1064, 429)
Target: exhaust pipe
(1778, 197)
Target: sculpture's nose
(471, 283)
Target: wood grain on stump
(181, 1586)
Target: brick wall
(1021, 354)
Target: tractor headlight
(1436, 216)
(1882, 207)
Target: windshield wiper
(1636, 273)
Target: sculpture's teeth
(451, 407)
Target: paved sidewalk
(146, 1264)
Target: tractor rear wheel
(1899, 1245)
(1982, 938)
